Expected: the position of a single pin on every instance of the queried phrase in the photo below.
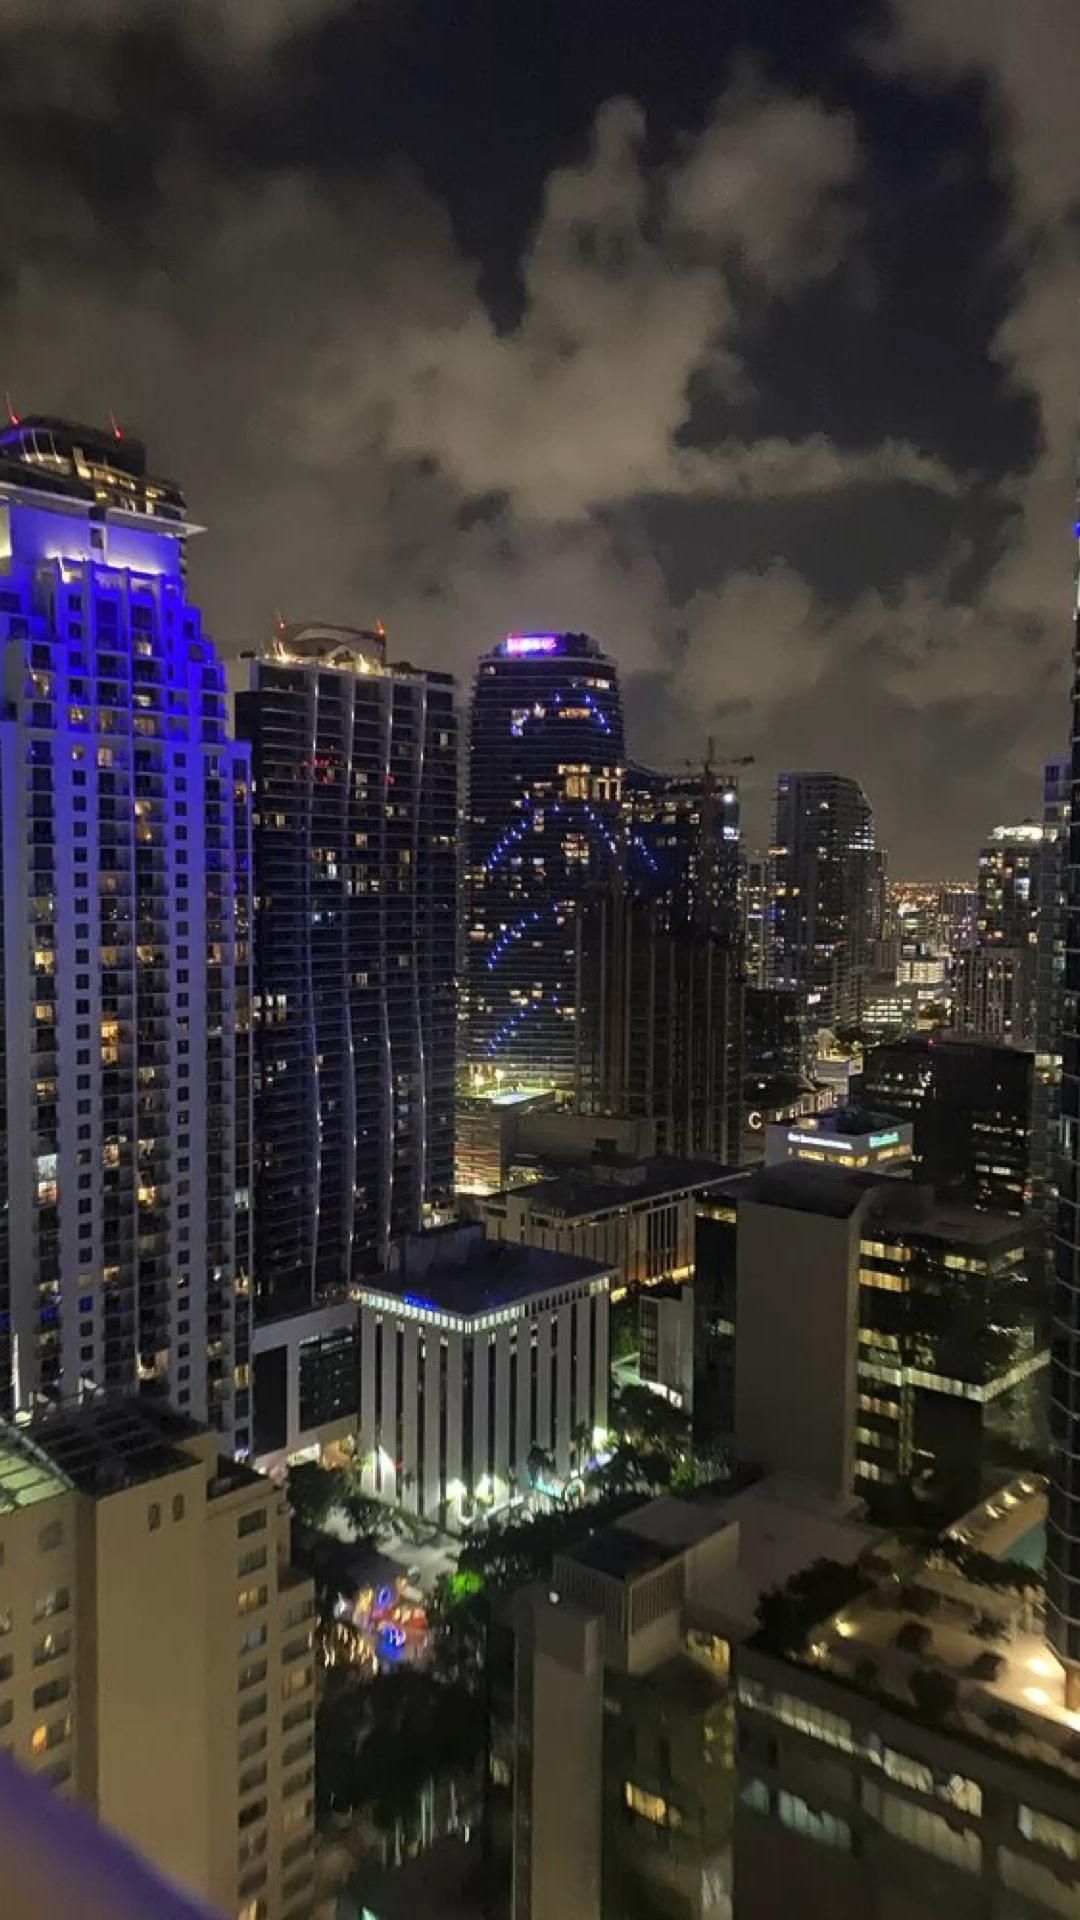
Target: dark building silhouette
(970, 1104)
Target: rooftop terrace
(984, 1634)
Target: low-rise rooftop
(102, 1444)
(465, 1273)
(617, 1182)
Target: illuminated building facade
(125, 1255)
(1009, 886)
(546, 762)
(355, 835)
(828, 893)
(475, 1354)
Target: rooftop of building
(919, 1044)
(897, 1206)
(651, 1535)
(783, 1525)
(834, 1192)
(457, 1269)
(97, 465)
(616, 1181)
(969, 1608)
(546, 646)
(852, 1122)
(103, 1444)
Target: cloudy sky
(742, 335)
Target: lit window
(650, 1806)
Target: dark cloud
(307, 345)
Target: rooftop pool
(1030, 1549)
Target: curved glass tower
(545, 824)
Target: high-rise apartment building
(158, 1663)
(1063, 1529)
(355, 769)
(124, 1246)
(828, 893)
(1009, 886)
(1050, 971)
(546, 762)
(757, 919)
(993, 994)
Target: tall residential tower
(355, 770)
(124, 1234)
(827, 894)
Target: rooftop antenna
(13, 418)
(117, 434)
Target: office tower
(126, 904)
(660, 1035)
(772, 1043)
(994, 994)
(828, 893)
(970, 1104)
(1050, 970)
(856, 1330)
(624, 1768)
(355, 769)
(683, 844)
(476, 1353)
(545, 821)
(904, 1746)
(757, 920)
(158, 1658)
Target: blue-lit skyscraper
(546, 764)
(125, 1254)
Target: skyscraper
(125, 1254)
(683, 843)
(1050, 950)
(355, 770)
(1063, 1524)
(546, 765)
(827, 895)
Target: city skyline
(829, 259)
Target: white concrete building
(472, 1353)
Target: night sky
(741, 335)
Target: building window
(921, 1828)
(650, 1806)
(250, 1598)
(813, 1822)
(178, 1506)
(50, 1536)
(1045, 1831)
(153, 1516)
(251, 1522)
